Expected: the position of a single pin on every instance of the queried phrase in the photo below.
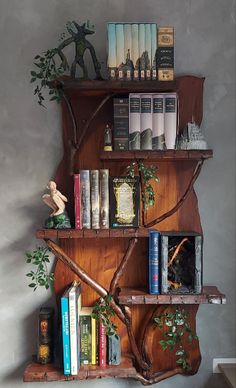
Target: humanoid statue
(58, 219)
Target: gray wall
(31, 149)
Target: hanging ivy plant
(40, 276)
(175, 328)
(147, 174)
(103, 312)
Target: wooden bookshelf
(92, 233)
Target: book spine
(158, 139)
(85, 340)
(102, 344)
(73, 331)
(77, 201)
(111, 60)
(120, 50)
(121, 123)
(65, 335)
(146, 122)
(95, 200)
(45, 336)
(85, 199)
(104, 198)
(165, 54)
(114, 353)
(154, 51)
(79, 297)
(170, 120)
(94, 341)
(128, 74)
(142, 50)
(135, 50)
(153, 262)
(148, 51)
(134, 121)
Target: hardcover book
(146, 122)
(148, 51)
(128, 68)
(104, 198)
(65, 333)
(73, 293)
(77, 200)
(120, 50)
(102, 344)
(45, 335)
(158, 138)
(113, 349)
(142, 53)
(165, 54)
(88, 336)
(121, 124)
(95, 199)
(135, 50)
(124, 206)
(85, 199)
(170, 120)
(134, 121)
(154, 51)
(154, 262)
(111, 60)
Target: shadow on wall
(216, 380)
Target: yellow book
(94, 342)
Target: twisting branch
(87, 124)
(117, 275)
(181, 201)
(72, 116)
(100, 290)
(157, 377)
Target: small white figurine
(58, 219)
(55, 200)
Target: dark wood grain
(157, 156)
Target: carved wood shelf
(35, 372)
(92, 233)
(160, 156)
(209, 295)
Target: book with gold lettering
(124, 202)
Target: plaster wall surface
(30, 150)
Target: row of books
(174, 262)
(102, 201)
(145, 121)
(140, 51)
(84, 341)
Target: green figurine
(58, 219)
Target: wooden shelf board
(103, 87)
(35, 372)
(92, 233)
(209, 295)
(157, 155)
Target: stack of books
(84, 341)
(145, 121)
(140, 51)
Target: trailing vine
(41, 276)
(147, 174)
(103, 312)
(175, 327)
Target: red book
(102, 344)
(77, 201)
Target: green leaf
(32, 285)
(33, 73)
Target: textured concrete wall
(30, 149)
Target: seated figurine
(58, 219)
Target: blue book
(154, 262)
(65, 333)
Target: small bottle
(107, 138)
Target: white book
(120, 49)
(85, 199)
(170, 120)
(73, 329)
(95, 199)
(154, 51)
(135, 50)
(111, 59)
(142, 50)
(134, 121)
(146, 122)
(148, 51)
(128, 50)
(158, 139)
(104, 198)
